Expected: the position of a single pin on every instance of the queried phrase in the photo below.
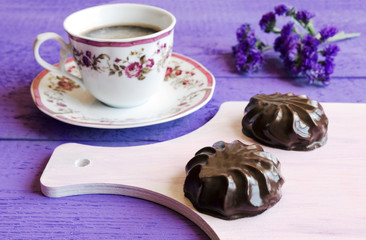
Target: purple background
(205, 31)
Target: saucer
(187, 87)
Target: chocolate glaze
(286, 121)
(233, 180)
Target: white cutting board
(324, 195)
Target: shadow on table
(26, 122)
(36, 184)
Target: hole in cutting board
(82, 162)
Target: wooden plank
(205, 30)
(323, 188)
(25, 213)
(20, 118)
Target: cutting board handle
(74, 169)
(152, 172)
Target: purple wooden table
(205, 31)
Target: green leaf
(342, 36)
(142, 59)
(116, 67)
(102, 56)
(141, 77)
(119, 73)
(145, 70)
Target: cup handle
(65, 51)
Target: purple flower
(241, 60)
(86, 61)
(268, 22)
(304, 54)
(327, 32)
(309, 49)
(281, 9)
(329, 66)
(255, 60)
(317, 70)
(133, 70)
(292, 47)
(309, 55)
(310, 42)
(290, 53)
(245, 35)
(287, 43)
(304, 16)
(284, 37)
(241, 32)
(330, 51)
(287, 29)
(316, 73)
(248, 61)
(247, 53)
(320, 72)
(301, 56)
(88, 54)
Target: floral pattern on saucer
(187, 87)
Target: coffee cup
(121, 50)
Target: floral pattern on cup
(135, 65)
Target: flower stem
(297, 31)
(310, 28)
(266, 48)
(276, 30)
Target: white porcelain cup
(118, 72)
